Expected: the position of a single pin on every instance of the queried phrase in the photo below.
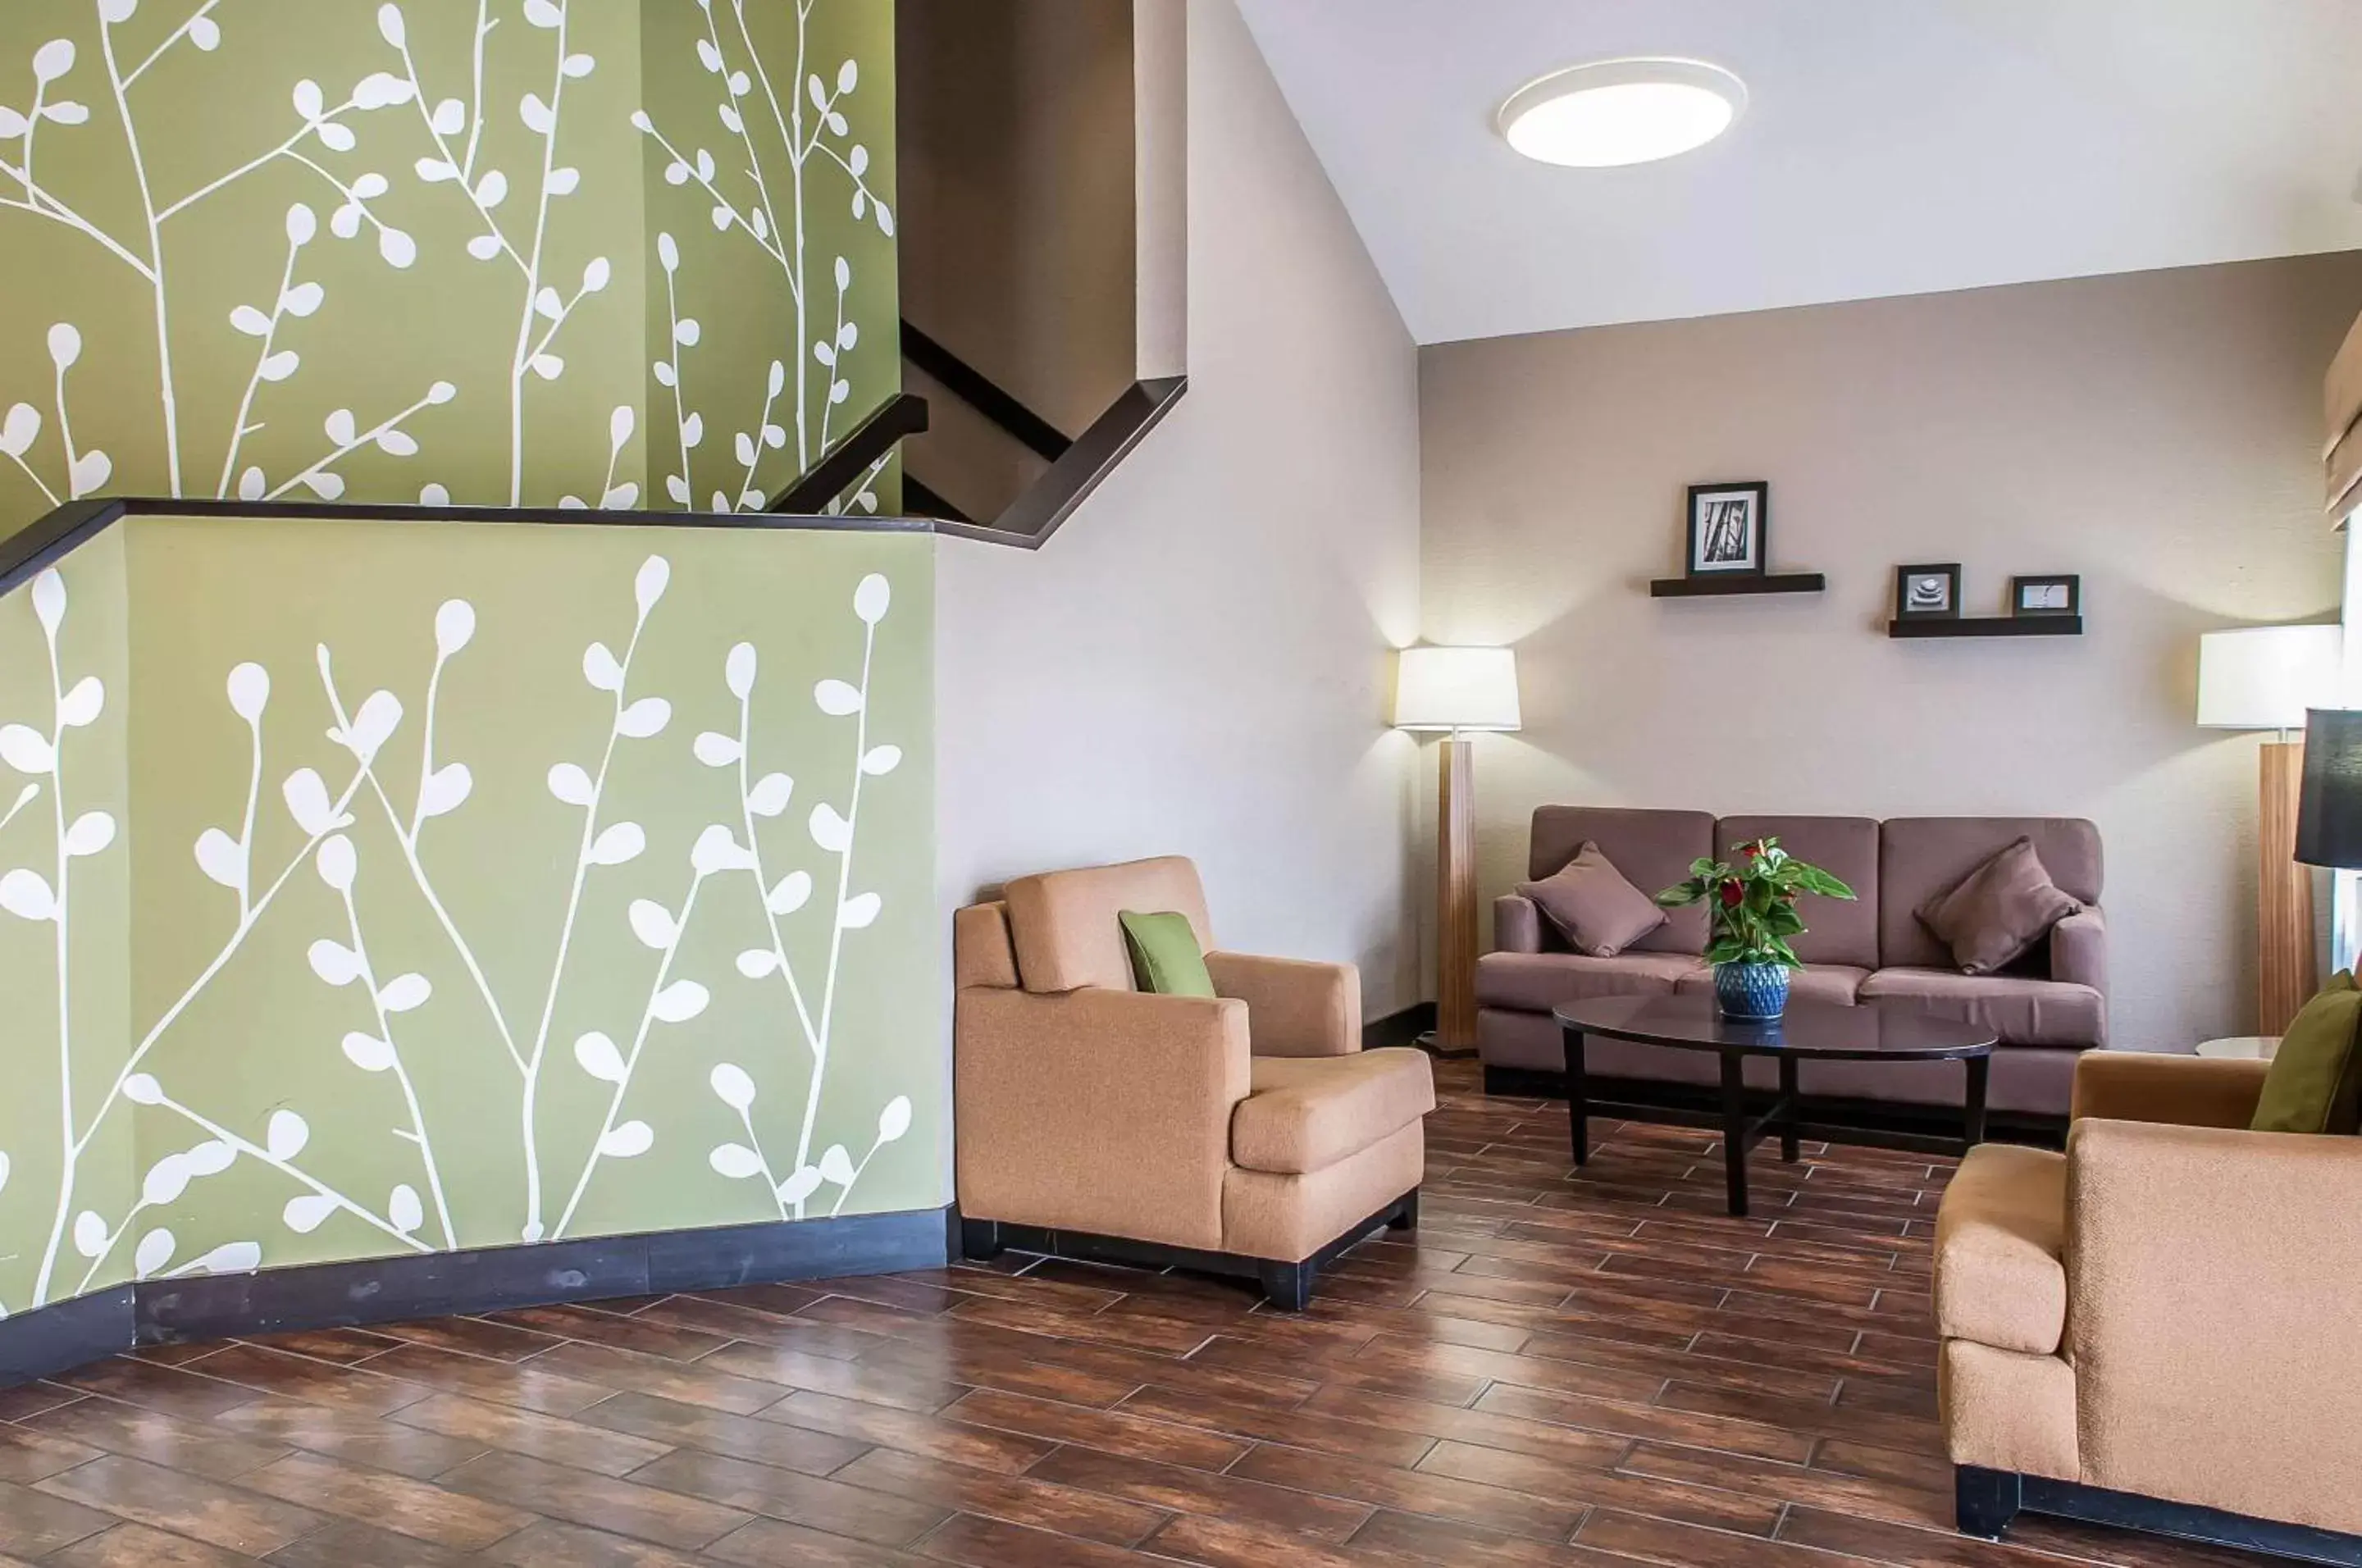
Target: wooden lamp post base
(1454, 1034)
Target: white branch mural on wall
(807, 875)
(451, 165)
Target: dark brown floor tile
(662, 1340)
(764, 1327)
(1109, 1432)
(473, 1336)
(976, 1447)
(1161, 1335)
(664, 1422)
(1441, 1540)
(832, 1505)
(344, 1543)
(553, 1545)
(184, 1505)
(173, 1391)
(774, 1544)
(561, 1441)
(1410, 1491)
(1687, 1546)
(523, 1384)
(1231, 1495)
(989, 1544)
(1719, 1433)
(1037, 1503)
(27, 1456)
(358, 1439)
(1237, 1543)
(173, 1354)
(601, 1502)
(1691, 1502)
(28, 1399)
(362, 1393)
(345, 1347)
(1299, 1427)
(33, 1523)
(880, 1383)
(174, 1441)
(136, 1546)
(617, 1369)
(414, 1508)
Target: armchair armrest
(2078, 950)
(1099, 1111)
(1517, 925)
(2187, 1091)
(2212, 1319)
(1293, 1007)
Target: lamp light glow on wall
(2264, 678)
(1456, 691)
(1616, 112)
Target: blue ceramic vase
(1753, 992)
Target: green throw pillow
(1165, 955)
(2315, 1081)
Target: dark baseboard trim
(1833, 1114)
(50, 1339)
(1989, 1499)
(1287, 1284)
(1402, 1028)
(486, 1279)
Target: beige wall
(2157, 433)
(1197, 662)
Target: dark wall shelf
(1989, 627)
(1736, 583)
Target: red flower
(1733, 895)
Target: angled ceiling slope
(1887, 149)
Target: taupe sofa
(2047, 1009)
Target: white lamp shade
(2264, 678)
(1456, 689)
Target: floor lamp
(2264, 678)
(1455, 692)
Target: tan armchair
(1247, 1132)
(2162, 1327)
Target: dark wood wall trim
(984, 394)
(899, 417)
(51, 539)
(1053, 498)
(485, 1279)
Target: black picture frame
(1905, 607)
(2071, 605)
(1708, 522)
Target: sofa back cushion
(1652, 849)
(1066, 925)
(1847, 848)
(1921, 859)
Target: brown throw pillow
(1594, 908)
(1999, 910)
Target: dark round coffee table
(1873, 1031)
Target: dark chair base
(1989, 1500)
(1287, 1285)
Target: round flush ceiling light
(1614, 111)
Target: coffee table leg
(1788, 1150)
(1973, 1132)
(1734, 1128)
(1578, 1101)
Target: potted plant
(1753, 909)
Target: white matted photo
(1728, 528)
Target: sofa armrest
(1294, 1007)
(2212, 1319)
(1517, 925)
(2186, 1092)
(2078, 950)
(1097, 1110)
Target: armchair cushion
(1062, 923)
(1998, 911)
(1166, 957)
(2001, 1249)
(1295, 1007)
(2314, 1083)
(1594, 907)
(2021, 1011)
(2185, 1091)
(1306, 1114)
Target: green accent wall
(505, 253)
(457, 885)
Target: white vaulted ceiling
(1889, 147)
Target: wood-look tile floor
(1586, 1369)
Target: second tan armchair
(1244, 1133)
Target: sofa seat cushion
(1834, 983)
(1536, 982)
(1306, 1113)
(2021, 1011)
(2001, 1249)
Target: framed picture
(1928, 592)
(1729, 528)
(2045, 595)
